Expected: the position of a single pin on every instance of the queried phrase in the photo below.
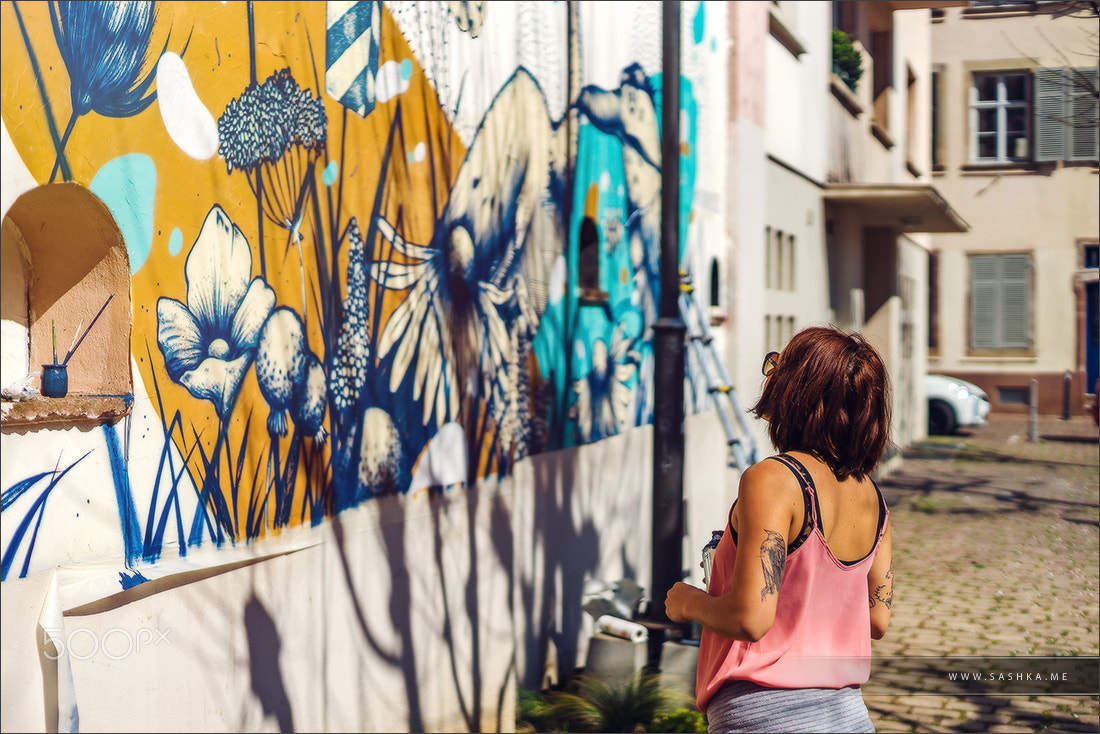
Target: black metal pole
(668, 344)
(1067, 389)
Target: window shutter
(983, 301)
(1083, 116)
(1000, 302)
(1015, 314)
(1050, 110)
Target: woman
(802, 578)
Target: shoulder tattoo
(773, 559)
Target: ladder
(739, 438)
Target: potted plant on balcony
(847, 63)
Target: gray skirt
(741, 706)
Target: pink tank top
(821, 637)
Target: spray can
(708, 554)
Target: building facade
(840, 231)
(1014, 301)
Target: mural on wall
(342, 287)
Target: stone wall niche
(62, 245)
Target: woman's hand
(678, 599)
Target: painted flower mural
(275, 130)
(476, 291)
(209, 343)
(349, 369)
(431, 333)
(605, 394)
(290, 375)
(104, 46)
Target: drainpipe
(668, 348)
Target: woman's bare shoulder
(767, 476)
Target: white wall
(309, 640)
(456, 609)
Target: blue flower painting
(105, 47)
(209, 343)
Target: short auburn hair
(829, 395)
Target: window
(714, 284)
(1065, 114)
(937, 135)
(994, 5)
(588, 249)
(933, 302)
(790, 264)
(1013, 395)
(1000, 302)
(779, 268)
(778, 259)
(910, 119)
(999, 118)
(882, 53)
(1061, 124)
(588, 257)
(715, 314)
(779, 255)
(1090, 256)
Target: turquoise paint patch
(689, 109)
(406, 70)
(699, 23)
(127, 186)
(175, 242)
(329, 175)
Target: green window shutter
(984, 292)
(1083, 116)
(1050, 112)
(1015, 311)
(1000, 302)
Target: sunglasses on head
(771, 361)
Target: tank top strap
(810, 517)
(807, 485)
(883, 513)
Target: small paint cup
(55, 380)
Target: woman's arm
(880, 586)
(767, 499)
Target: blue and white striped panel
(351, 52)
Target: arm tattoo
(773, 558)
(885, 592)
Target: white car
(954, 403)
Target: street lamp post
(668, 346)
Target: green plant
(846, 59)
(589, 703)
(680, 720)
(534, 713)
(586, 703)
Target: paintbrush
(81, 339)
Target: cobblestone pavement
(996, 553)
